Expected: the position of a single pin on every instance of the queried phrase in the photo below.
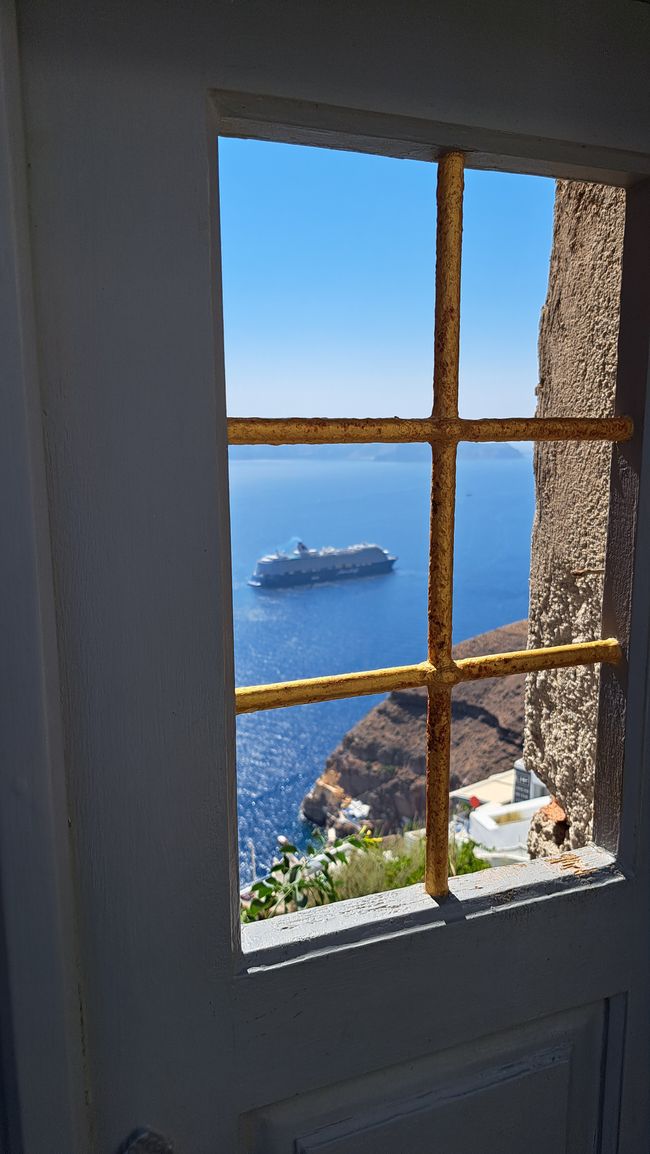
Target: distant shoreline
(384, 454)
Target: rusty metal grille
(442, 430)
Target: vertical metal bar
(443, 500)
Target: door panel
(529, 1090)
(523, 1113)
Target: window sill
(292, 936)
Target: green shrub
(295, 881)
(463, 860)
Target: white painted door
(513, 1017)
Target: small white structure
(504, 827)
(356, 810)
(498, 788)
(526, 783)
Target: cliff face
(577, 375)
(381, 761)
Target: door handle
(146, 1142)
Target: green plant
(349, 867)
(463, 860)
(390, 864)
(295, 882)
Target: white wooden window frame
(611, 858)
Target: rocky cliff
(577, 375)
(380, 762)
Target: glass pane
(495, 503)
(280, 755)
(339, 621)
(507, 232)
(328, 275)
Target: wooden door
(514, 1015)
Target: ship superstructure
(299, 565)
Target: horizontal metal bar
(326, 431)
(251, 698)
(531, 660)
(312, 689)
(392, 430)
(547, 429)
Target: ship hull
(284, 580)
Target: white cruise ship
(299, 565)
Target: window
(443, 430)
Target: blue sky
(328, 273)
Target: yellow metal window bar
(443, 430)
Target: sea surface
(363, 624)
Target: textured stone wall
(577, 371)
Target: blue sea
(364, 624)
